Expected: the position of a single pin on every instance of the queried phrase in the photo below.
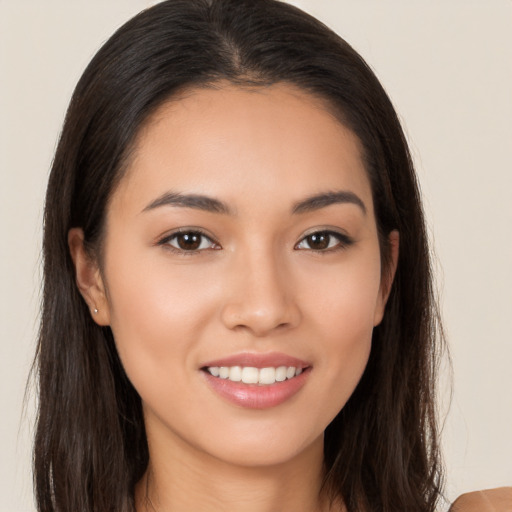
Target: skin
(258, 286)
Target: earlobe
(387, 276)
(88, 278)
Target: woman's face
(242, 242)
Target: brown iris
(189, 241)
(318, 241)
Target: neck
(205, 483)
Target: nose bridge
(260, 298)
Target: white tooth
(290, 372)
(281, 373)
(214, 370)
(235, 373)
(298, 371)
(250, 375)
(223, 372)
(267, 376)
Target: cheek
(158, 315)
(343, 299)
(347, 335)
(342, 319)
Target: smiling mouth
(251, 375)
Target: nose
(260, 297)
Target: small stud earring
(95, 311)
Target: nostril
(260, 303)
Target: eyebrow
(325, 199)
(197, 201)
(213, 205)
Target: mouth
(266, 376)
(256, 381)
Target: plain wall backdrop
(447, 66)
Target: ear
(387, 277)
(88, 278)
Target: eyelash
(166, 241)
(344, 241)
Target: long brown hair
(381, 451)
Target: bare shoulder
(490, 500)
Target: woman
(237, 305)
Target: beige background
(447, 64)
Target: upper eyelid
(168, 236)
(164, 242)
(342, 236)
(331, 231)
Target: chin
(262, 445)
(260, 456)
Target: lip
(254, 396)
(258, 360)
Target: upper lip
(258, 360)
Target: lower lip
(253, 396)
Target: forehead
(276, 141)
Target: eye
(324, 241)
(189, 241)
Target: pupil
(318, 241)
(189, 241)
